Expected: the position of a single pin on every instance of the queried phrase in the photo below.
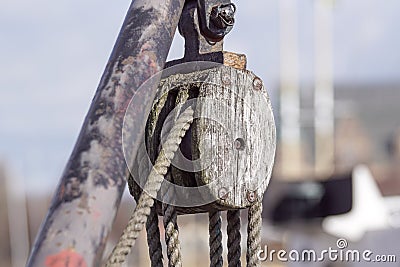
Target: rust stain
(128, 61)
(144, 64)
(65, 258)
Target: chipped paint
(66, 258)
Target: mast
(290, 166)
(323, 88)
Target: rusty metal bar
(83, 209)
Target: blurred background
(332, 69)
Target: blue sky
(52, 54)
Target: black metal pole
(83, 209)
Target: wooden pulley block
(225, 160)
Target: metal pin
(223, 193)
(239, 144)
(257, 84)
(226, 80)
(251, 196)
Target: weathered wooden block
(230, 148)
(237, 143)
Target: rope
(254, 234)
(152, 230)
(215, 239)
(233, 229)
(153, 239)
(152, 186)
(171, 230)
(169, 211)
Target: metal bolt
(251, 196)
(223, 16)
(239, 144)
(223, 193)
(257, 84)
(226, 80)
